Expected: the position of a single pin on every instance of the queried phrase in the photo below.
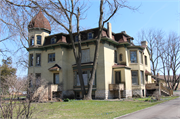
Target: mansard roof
(39, 21)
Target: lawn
(91, 109)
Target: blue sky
(157, 14)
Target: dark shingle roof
(39, 21)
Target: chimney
(109, 30)
(144, 43)
(157, 74)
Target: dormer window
(53, 40)
(76, 38)
(90, 35)
(32, 41)
(38, 39)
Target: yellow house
(120, 61)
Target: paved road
(167, 110)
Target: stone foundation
(106, 94)
(137, 92)
(100, 94)
(127, 94)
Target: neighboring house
(120, 61)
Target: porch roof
(120, 66)
(56, 67)
(147, 73)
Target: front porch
(116, 89)
(154, 88)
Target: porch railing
(113, 87)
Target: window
(30, 83)
(51, 57)
(85, 56)
(134, 77)
(140, 57)
(86, 77)
(133, 56)
(38, 59)
(145, 57)
(77, 81)
(38, 39)
(142, 77)
(120, 57)
(31, 60)
(56, 78)
(76, 38)
(115, 56)
(146, 78)
(32, 41)
(30, 80)
(90, 35)
(118, 77)
(38, 79)
(53, 40)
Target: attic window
(90, 35)
(39, 39)
(53, 40)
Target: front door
(56, 78)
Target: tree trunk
(96, 54)
(81, 79)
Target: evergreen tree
(6, 70)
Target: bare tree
(155, 41)
(12, 106)
(171, 60)
(65, 14)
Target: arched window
(32, 41)
(90, 35)
(120, 57)
(115, 56)
(53, 40)
(39, 39)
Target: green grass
(91, 109)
